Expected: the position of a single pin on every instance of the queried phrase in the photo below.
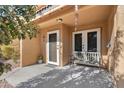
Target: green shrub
(7, 51)
(15, 56)
(1, 68)
(0, 52)
(5, 68)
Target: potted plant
(40, 59)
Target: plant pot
(40, 61)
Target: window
(78, 42)
(87, 41)
(92, 41)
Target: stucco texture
(30, 50)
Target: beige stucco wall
(66, 44)
(65, 32)
(99, 20)
(118, 50)
(30, 50)
(118, 54)
(43, 39)
(104, 37)
(112, 29)
(66, 40)
(110, 34)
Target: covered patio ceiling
(87, 15)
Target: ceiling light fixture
(59, 20)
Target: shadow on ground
(71, 77)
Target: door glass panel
(78, 42)
(92, 41)
(52, 47)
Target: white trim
(84, 38)
(73, 39)
(58, 48)
(21, 52)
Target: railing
(45, 10)
(88, 58)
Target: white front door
(86, 46)
(86, 41)
(53, 47)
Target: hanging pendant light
(59, 20)
(76, 16)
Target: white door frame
(84, 38)
(58, 49)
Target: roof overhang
(87, 15)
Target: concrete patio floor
(19, 75)
(46, 76)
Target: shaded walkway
(19, 75)
(74, 77)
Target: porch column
(118, 50)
